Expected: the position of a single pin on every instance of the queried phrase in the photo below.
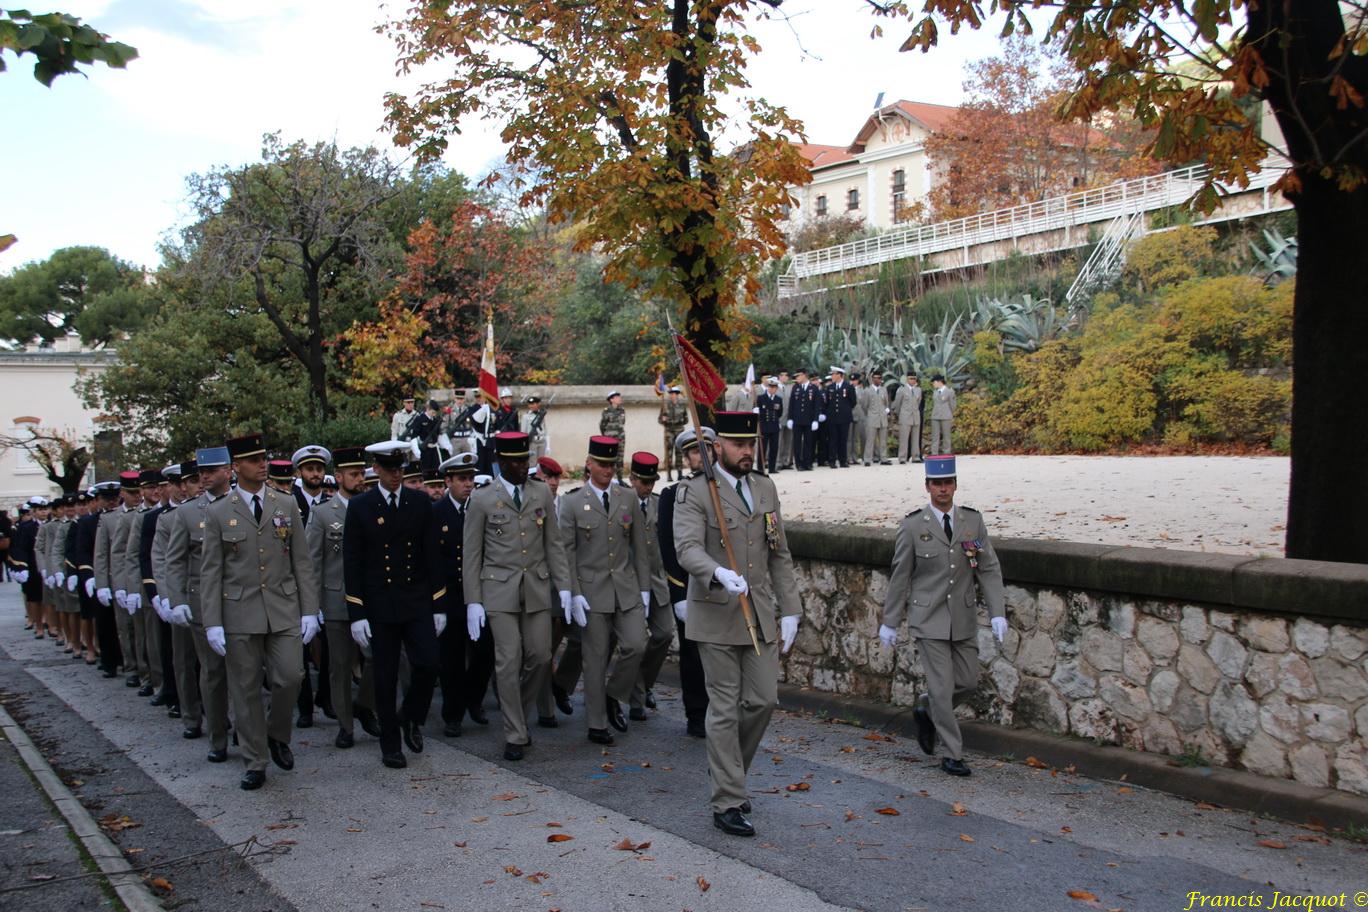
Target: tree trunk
(1328, 498)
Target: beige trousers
(279, 658)
(743, 688)
(522, 658)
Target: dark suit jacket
(149, 531)
(21, 546)
(448, 527)
(771, 410)
(841, 401)
(675, 575)
(804, 404)
(392, 568)
(84, 558)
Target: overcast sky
(103, 161)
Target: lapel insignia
(587, 507)
(925, 536)
(335, 526)
(380, 520)
(231, 522)
(202, 523)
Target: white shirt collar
(940, 517)
(511, 488)
(596, 489)
(454, 501)
(731, 480)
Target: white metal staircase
(1106, 258)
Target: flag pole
(746, 611)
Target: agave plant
(1280, 260)
(1030, 324)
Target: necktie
(517, 498)
(949, 533)
(605, 503)
(643, 508)
(742, 494)
(393, 500)
(256, 507)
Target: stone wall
(1255, 664)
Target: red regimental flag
(704, 380)
(489, 381)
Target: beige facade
(39, 387)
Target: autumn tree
(1189, 71)
(612, 112)
(1005, 145)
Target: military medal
(380, 520)
(231, 522)
(971, 550)
(541, 516)
(772, 531)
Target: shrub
(1234, 316)
(1170, 258)
(1104, 405)
(1228, 405)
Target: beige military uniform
(536, 440)
(110, 538)
(942, 420)
(610, 565)
(42, 556)
(876, 425)
(182, 561)
(932, 584)
(859, 415)
(907, 406)
(660, 622)
(743, 687)
(324, 535)
(510, 556)
(183, 661)
(146, 630)
(257, 583)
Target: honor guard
(674, 415)
(106, 635)
(396, 596)
(876, 421)
(465, 664)
(660, 627)
(613, 423)
(533, 424)
(771, 406)
(185, 666)
(259, 601)
(400, 422)
(324, 535)
(158, 632)
(111, 568)
(941, 552)
(743, 684)
(512, 548)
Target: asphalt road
(463, 829)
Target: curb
(111, 862)
(1228, 788)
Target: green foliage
(1103, 405)
(605, 333)
(1278, 260)
(81, 289)
(1170, 257)
(346, 429)
(60, 43)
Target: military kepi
(603, 449)
(129, 481)
(351, 457)
(212, 457)
(511, 445)
(246, 446)
(940, 466)
(736, 424)
(280, 469)
(645, 466)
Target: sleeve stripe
(354, 600)
(675, 581)
(439, 593)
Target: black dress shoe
(394, 761)
(252, 780)
(452, 729)
(174, 711)
(132, 681)
(191, 734)
(615, 716)
(513, 751)
(218, 756)
(146, 690)
(477, 715)
(369, 723)
(305, 720)
(562, 700)
(413, 736)
(344, 739)
(745, 807)
(637, 714)
(162, 699)
(600, 736)
(326, 707)
(926, 729)
(109, 673)
(696, 729)
(954, 767)
(650, 699)
(281, 755)
(548, 722)
(734, 822)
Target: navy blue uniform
(691, 680)
(771, 407)
(841, 399)
(465, 666)
(106, 633)
(804, 406)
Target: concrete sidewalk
(462, 829)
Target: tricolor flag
(749, 383)
(489, 381)
(660, 384)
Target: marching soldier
(742, 684)
(111, 538)
(396, 596)
(571, 661)
(876, 422)
(185, 543)
(106, 634)
(804, 405)
(785, 434)
(259, 600)
(512, 547)
(691, 682)
(674, 415)
(613, 423)
(465, 664)
(145, 636)
(311, 462)
(159, 646)
(941, 551)
(608, 555)
(533, 424)
(660, 628)
(855, 446)
(324, 534)
(456, 422)
(907, 406)
(184, 663)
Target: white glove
(162, 613)
(416, 449)
(321, 618)
(788, 631)
(790, 424)
(579, 610)
(360, 631)
(481, 414)
(179, 615)
(72, 582)
(681, 610)
(103, 595)
(217, 641)
(821, 417)
(475, 619)
(121, 598)
(999, 628)
(888, 411)
(814, 425)
(565, 604)
(60, 577)
(439, 622)
(90, 588)
(646, 602)
(133, 601)
(308, 628)
(756, 410)
(48, 580)
(733, 582)
(20, 576)
(888, 635)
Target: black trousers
(803, 441)
(464, 672)
(168, 663)
(771, 450)
(107, 635)
(691, 680)
(840, 442)
(419, 640)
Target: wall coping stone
(1316, 589)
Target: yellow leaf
(703, 885)
(957, 810)
(559, 837)
(965, 837)
(1082, 894)
(889, 812)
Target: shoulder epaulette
(970, 509)
(622, 483)
(914, 512)
(573, 490)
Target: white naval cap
(505, 392)
(482, 480)
(461, 462)
(37, 500)
(311, 453)
(836, 369)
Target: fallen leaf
(957, 810)
(161, 883)
(877, 736)
(1272, 844)
(431, 905)
(460, 845)
(1204, 806)
(965, 837)
(1066, 829)
(1308, 837)
(1124, 790)
(1033, 763)
(140, 851)
(42, 877)
(889, 812)
(626, 845)
(851, 815)
(355, 830)
(281, 826)
(703, 885)
(800, 787)
(559, 837)
(478, 819)
(278, 842)
(118, 823)
(513, 869)
(848, 749)
(553, 823)
(506, 796)
(538, 877)
(1082, 894)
